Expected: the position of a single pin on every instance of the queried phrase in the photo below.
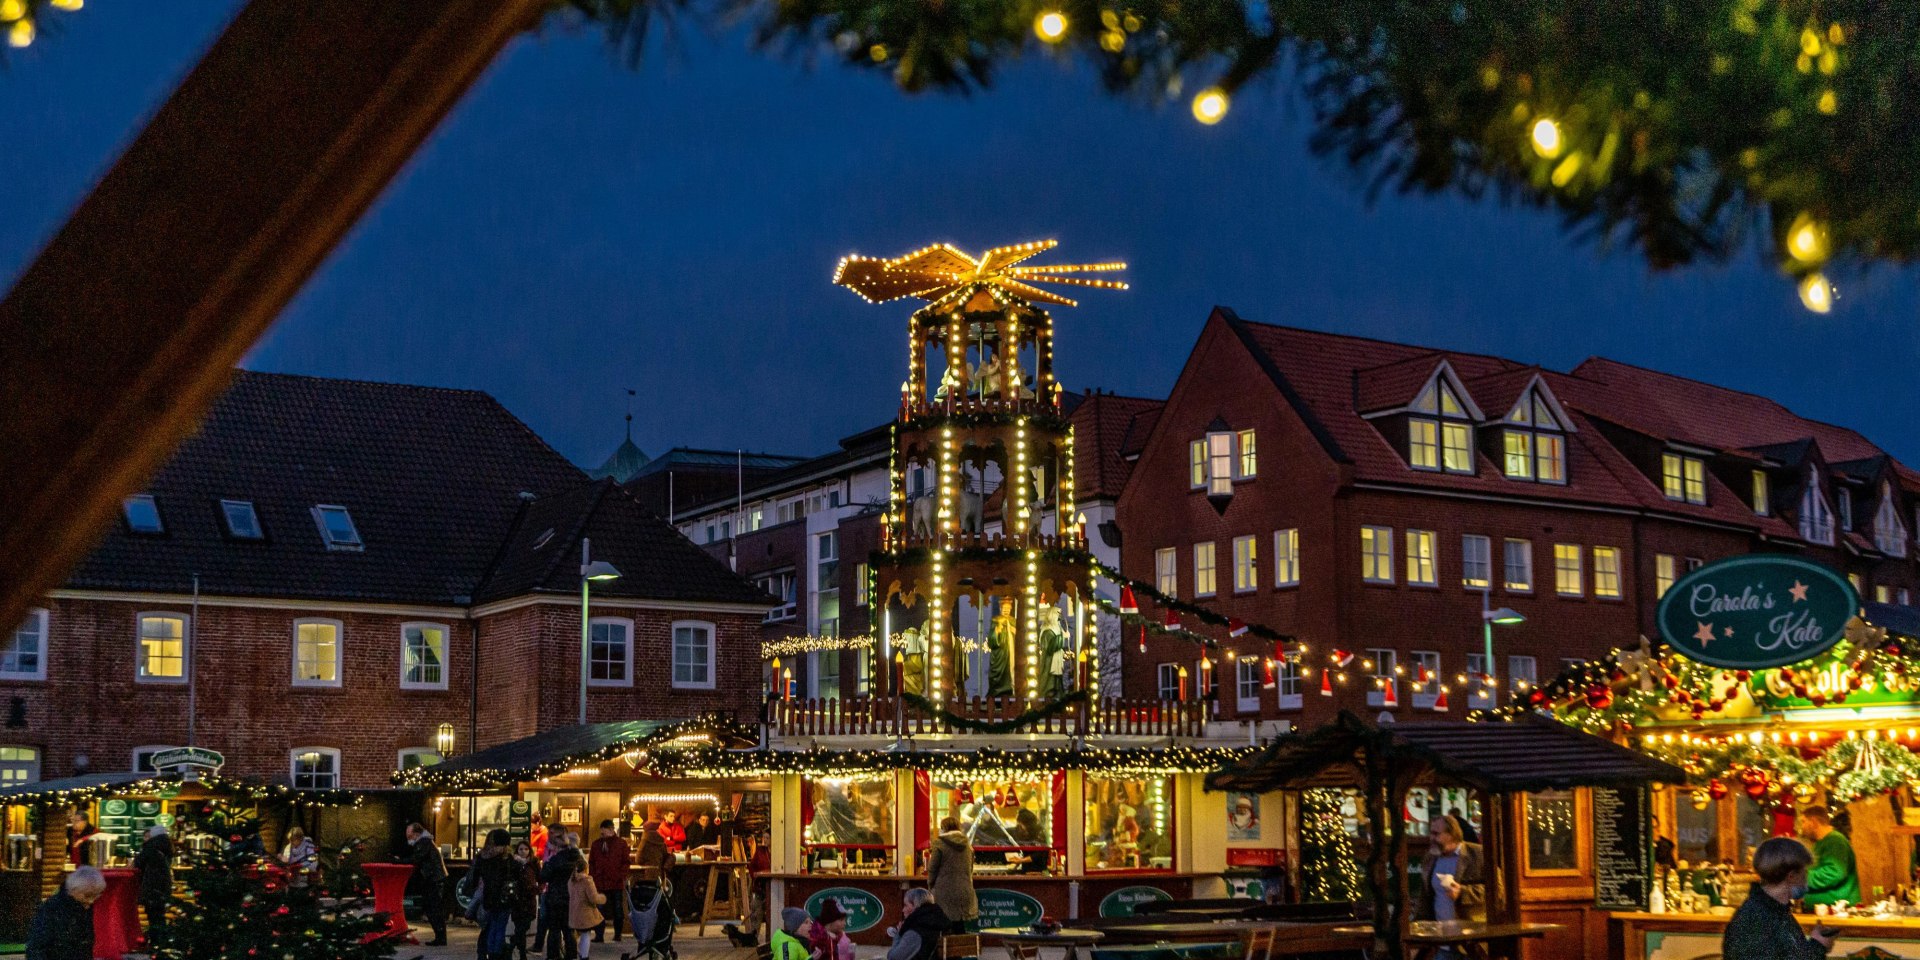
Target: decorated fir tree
(241, 904)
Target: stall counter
(1683, 936)
(1015, 899)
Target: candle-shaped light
(786, 684)
(899, 671)
(1083, 665)
(1183, 684)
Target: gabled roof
(1102, 423)
(542, 553)
(626, 460)
(694, 459)
(554, 751)
(432, 478)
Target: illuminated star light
(942, 272)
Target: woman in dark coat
(526, 896)
(153, 869)
(494, 879)
(62, 927)
(1764, 927)
(554, 937)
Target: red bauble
(1742, 675)
(1599, 697)
(282, 910)
(1672, 682)
(1756, 788)
(1716, 789)
(1717, 705)
(1817, 699)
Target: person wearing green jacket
(1833, 876)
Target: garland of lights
(1329, 865)
(1028, 718)
(447, 778)
(795, 646)
(1196, 611)
(238, 788)
(987, 762)
(1782, 775)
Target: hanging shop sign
(863, 909)
(188, 760)
(1756, 611)
(1007, 908)
(1121, 902)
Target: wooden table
(1478, 940)
(1069, 937)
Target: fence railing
(894, 717)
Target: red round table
(116, 922)
(390, 897)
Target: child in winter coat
(583, 911)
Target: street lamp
(443, 741)
(590, 570)
(1506, 617)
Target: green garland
(1893, 766)
(1029, 718)
(1196, 611)
(1141, 761)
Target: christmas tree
(240, 904)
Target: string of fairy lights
(984, 762)
(651, 747)
(19, 18)
(238, 788)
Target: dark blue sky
(578, 227)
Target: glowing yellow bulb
(12, 9)
(1807, 239)
(1816, 293)
(67, 4)
(1546, 137)
(1828, 103)
(1210, 105)
(1050, 26)
(21, 33)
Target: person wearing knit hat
(790, 941)
(829, 940)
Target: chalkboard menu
(1620, 861)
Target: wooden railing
(967, 539)
(892, 717)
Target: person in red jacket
(673, 832)
(537, 838)
(608, 862)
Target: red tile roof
(1102, 423)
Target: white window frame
(1384, 661)
(1816, 518)
(446, 664)
(43, 620)
(1376, 554)
(319, 512)
(1523, 672)
(339, 652)
(226, 520)
(1889, 534)
(673, 650)
(1843, 506)
(1246, 455)
(1476, 550)
(1425, 695)
(1423, 558)
(1423, 443)
(1286, 557)
(1166, 681)
(1246, 564)
(29, 767)
(1250, 675)
(400, 760)
(1561, 569)
(1476, 666)
(1206, 577)
(1221, 460)
(1608, 580)
(1507, 566)
(140, 646)
(1666, 569)
(293, 767)
(149, 750)
(1286, 683)
(1166, 571)
(626, 680)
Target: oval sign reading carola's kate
(1756, 611)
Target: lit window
(413, 758)
(1423, 443)
(1286, 557)
(1197, 463)
(610, 652)
(1567, 580)
(1383, 677)
(1420, 559)
(315, 768)
(1376, 554)
(1606, 572)
(1203, 569)
(19, 765)
(1476, 561)
(1519, 564)
(1663, 574)
(1534, 445)
(1166, 572)
(693, 655)
(1426, 663)
(24, 657)
(1696, 470)
(861, 574)
(1246, 565)
(163, 648)
(423, 656)
(1456, 447)
(1443, 441)
(143, 515)
(1518, 445)
(316, 653)
(1219, 463)
(1761, 504)
(242, 522)
(1550, 457)
(336, 527)
(1859, 585)
(1882, 593)
(1167, 681)
(1683, 478)
(1249, 461)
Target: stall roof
(90, 786)
(555, 751)
(1904, 621)
(1527, 753)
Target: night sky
(578, 227)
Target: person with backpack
(492, 885)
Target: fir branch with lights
(985, 761)
(1026, 719)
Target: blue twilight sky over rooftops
(578, 227)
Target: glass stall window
(1696, 831)
(1009, 822)
(1753, 825)
(1129, 823)
(1552, 838)
(849, 827)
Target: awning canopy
(1525, 754)
(1893, 617)
(91, 786)
(556, 751)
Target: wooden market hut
(1502, 760)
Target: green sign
(1756, 611)
(183, 757)
(1007, 908)
(863, 909)
(1121, 902)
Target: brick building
(330, 571)
(1371, 497)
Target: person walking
(491, 883)
(609, 861)
(918, 936)
(554, 938)
(526, 895)
(1834, 876)
(950, 874)
(424, 854)
(153, 874)
(1764, 927)
(583, 906)
(62, 927)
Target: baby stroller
(650, 913)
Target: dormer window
(336, 527)
(143, 515)
(242, 522)
(1533, 441)
(1888, 534)
(1683, 477)
(1443, 438)
(1843, 498)
(1762, 505)
(1816, 521)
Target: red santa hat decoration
(1127, 602)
